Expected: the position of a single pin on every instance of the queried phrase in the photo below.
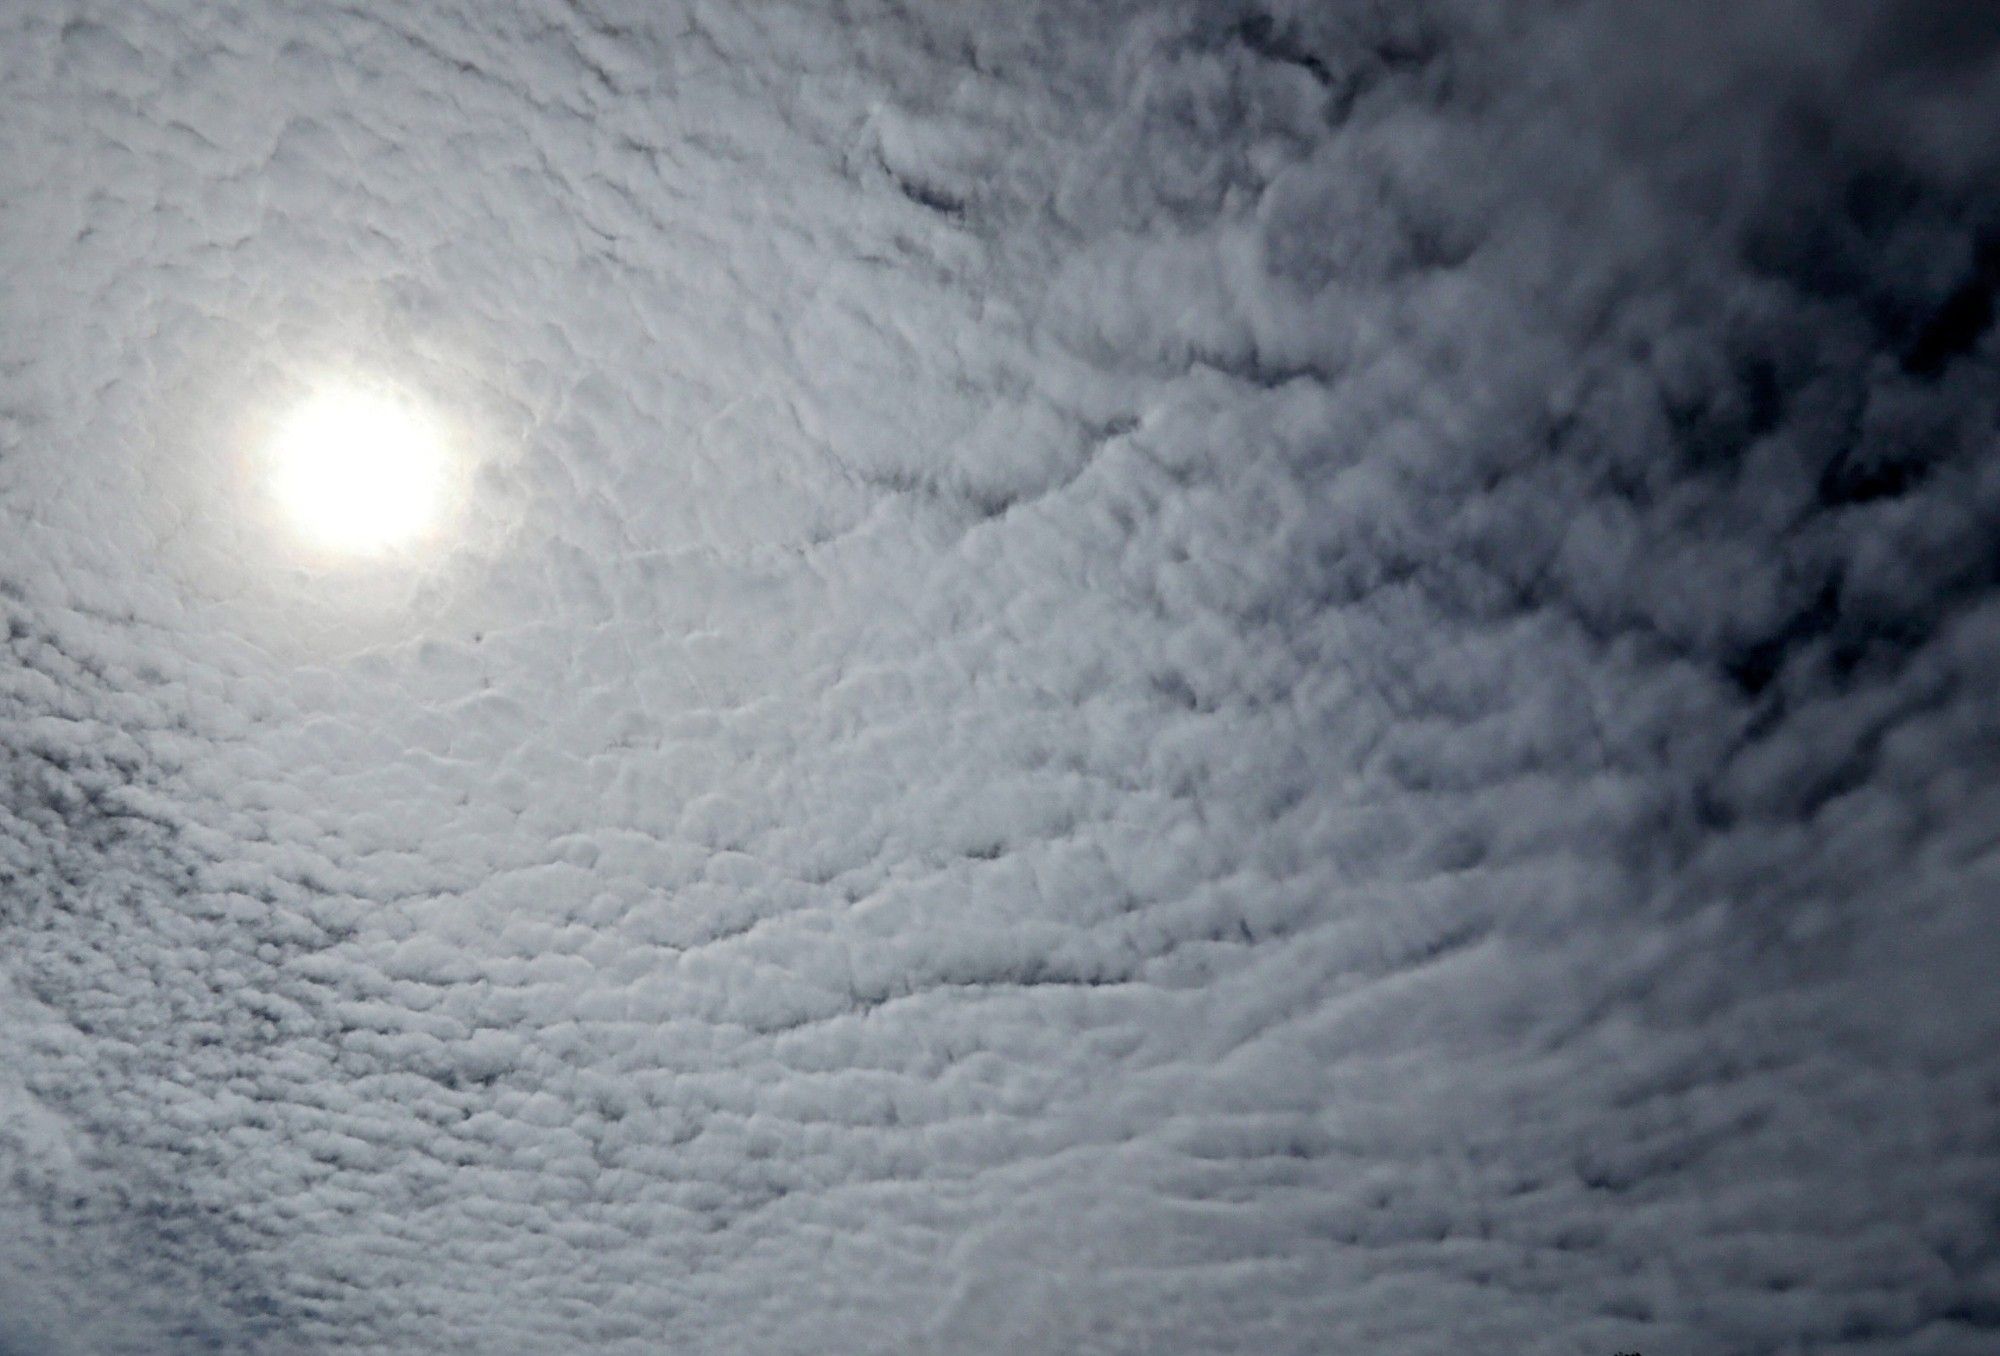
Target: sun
(359, 470)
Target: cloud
(1205, 677)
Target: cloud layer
(1121, 678)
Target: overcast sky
(1295, 677)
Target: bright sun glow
(358, 470)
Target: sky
(1301, 676)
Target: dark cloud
(1200, 677)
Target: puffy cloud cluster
(1196, 677)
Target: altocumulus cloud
(1276, 677)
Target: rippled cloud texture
(1116, 678)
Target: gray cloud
(1195, 677)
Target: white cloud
(1117, 678)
